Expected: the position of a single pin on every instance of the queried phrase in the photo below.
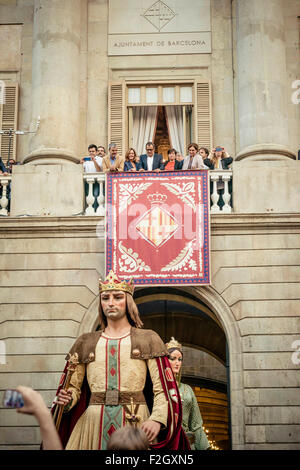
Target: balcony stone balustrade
(4, 194)
(94, 203)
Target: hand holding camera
(25, 400)
(33, 402)
(13, 399)
(28, 401)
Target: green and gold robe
(191, 418)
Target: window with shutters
(129, 102)
(9, 120)
(117, 116)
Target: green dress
(192, 419)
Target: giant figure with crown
(121, 376)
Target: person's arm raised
(35, 405)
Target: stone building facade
(60, 58)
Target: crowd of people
(198, 158)
(98, 160)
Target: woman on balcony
(172, 164)
(193, 161)
(218, 159)
(132, 162)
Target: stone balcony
(94, 195)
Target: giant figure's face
(175, 361)
(113, 304)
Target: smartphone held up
(13, 399)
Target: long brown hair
(132, 313)
(128, 152)
(193, 144)
(214, 157)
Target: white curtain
(175, 124)
(144, 122)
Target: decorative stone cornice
(263, 152)
(250, 223)
(94, 226)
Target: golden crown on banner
(111, 282)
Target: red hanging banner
(157, 227)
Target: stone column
(56, 81)
(260, 81)
(51, 184)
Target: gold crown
(174, 344)
(113, 283)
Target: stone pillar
(56, 81)
(260, 81)
(51, 184)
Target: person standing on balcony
(218, 159)
(3, 169)
(204, 153)
(92, 163)
(179, 157)
(151, 161)
(172, 164)
(101, 151)
(132, 162)
(113, 161)
(6, 171)
(193, 161)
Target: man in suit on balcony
(151, 161)
(113, 162)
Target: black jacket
(157, 161)
(225, 162)
(2, 166)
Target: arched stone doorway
(200, 319)
(173, 312)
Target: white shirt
(150, 163)
(89, 166)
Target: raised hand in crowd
(35, 405)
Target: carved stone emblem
(159, 15)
